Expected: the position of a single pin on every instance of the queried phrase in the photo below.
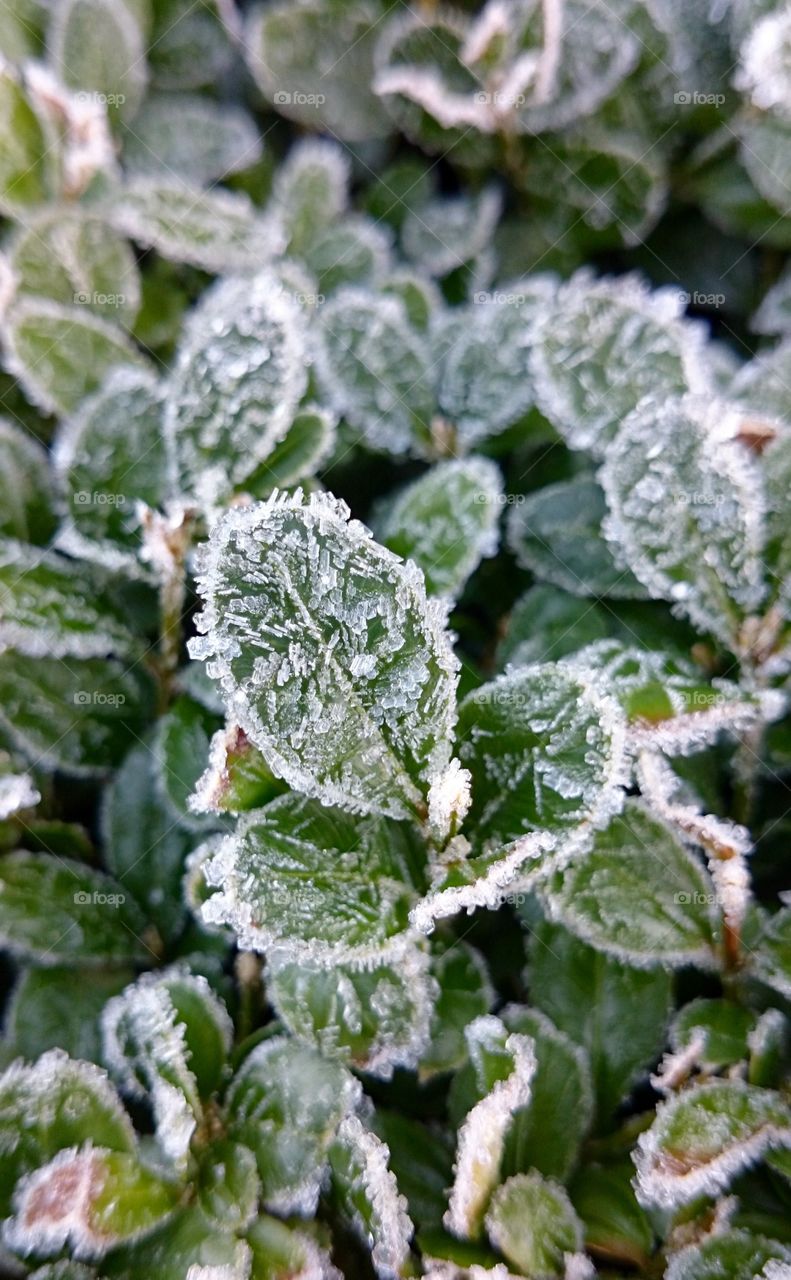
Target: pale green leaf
(367, 1195)
(190, 137)
(532, 1222)
(26, 497)
(98, 47)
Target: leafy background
(395, 612)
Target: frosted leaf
(42, 1012)
(98, 46)
(618, 1014)
(739, 1255)
(54, 607)
(228, 1186)
(375, 371)
(108, 457)
(374, 1014)
(638, 894)
(546, 749)
(686, 511)
(90, 1200)
(238, 377)
(602, 346)
(449, 800)
(767, 1050)
(420, 296)
(285, 1103)
(60, 354)
(368, 1197)
(446, 522)
(70, 255)
(773, 952)
(355, 251)
(310, 190)
(190, 137)
(182, 748)
(54, 910)
(217, 231)
(317, 881)
(237, 777)
(482, 1136)
(80, 717)
(25, 487)
(483, 384)
(304, 449)
(53, 1105)
(546, 624)
(764, 152)
(765, 70)
(774, 314)
(669, 703)
(17, 793)
(556, 533)
(79, 122)
(489, 880)
(444, 234)
(465, 993)
(703, 1138)
(28, 163)
(761, 385)
(188, 1240)
(533, 1224)
(284, 1253)
(718, 1029)
(191, 48)
(313, 61)
(330, 658)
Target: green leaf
(190, 137)
(368, 1198)
(776, 466)
(703, 1138)
(310, 190)
(616, 1228)
(228, 1185)
(348, 690)
(98, 47)
(80, 716)
(238, 377)
(374, 1014)
(108, 456)
(545, 746)
(772, 957)
(446, 522)
(188, 1242)
(145, 848)
(71, 256)
(548, 1133)
(305, 446)
(722, 1028)
(284, 46)
(616, 1013)
(735, 1254)
(89, 1200)
(216, 230)
(56, 911)
(285, 1103)
(183, 741)
(27, 159)
(546, 624)
(532, 1222)
(375, 370)
(601, 347)
(638, 894)
(465, 993)
(54, 607)
(60, 354)
(317, 882)
(43, 1013)
(25, 487)
(356, 251)
(280, 1252)
(556, 534)
(53, 1105)
(237, 777)
(421, 1157)
(764, 151)
(685, 510)
(505, 1066)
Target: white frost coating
(675, 1068)
(686, 509)
(292, 592)
(210, 785)
(488, 890)
(721, 1147)
(449, 800)
(602, 345)
(577, 1266)
(776, 1270)
(389, 1228)
(88, 146)
(47, 1217)
(17, 792)
(481, 1138)
(237, 379)
(687, 733)
(239, 1269)
(42, 1088)
(765, 71)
